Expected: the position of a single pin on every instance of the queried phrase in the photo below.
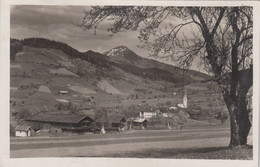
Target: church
(185, 101)
(149, 114)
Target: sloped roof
(140, 120)
(163, 110)
(22, 128)
(58, 118)
(90, 113)
(173, 108)
(116, 119)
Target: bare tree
(220, 37)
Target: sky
(61, 23)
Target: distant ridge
(123, 58)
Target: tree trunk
(239, 120)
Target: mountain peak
(118, 51)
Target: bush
(157, 121)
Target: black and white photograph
(133, 81)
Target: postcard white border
(5, 82)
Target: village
(53, 95)
(53, 124)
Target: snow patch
(116, 52)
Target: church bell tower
(185, 99)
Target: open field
(44, 88)
(106, 86)
(40, 66)
(63, 71)
(82, 89)
(141, 144)
(193, 153)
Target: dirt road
(109, 144)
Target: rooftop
(59, 118)
(140, 120)
(22, 128)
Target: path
(105, 145)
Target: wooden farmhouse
(139, 123)
(75, 123)
(22, 131)
(118, 122)
(114, 123)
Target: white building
(185, 101)
(63, 92)
(22, 131)
(147, 114)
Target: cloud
(45, 15)
(60, 23)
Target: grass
(106, 86)
(242, 153)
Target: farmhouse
(75, 123)
(140, 123)
(117, 123)
(22, 131)
(165, 112)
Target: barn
(118, 122)
(140, 123)
(75, 123)
(22, 131)
(115, 123)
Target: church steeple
(185, 99)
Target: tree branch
(218, 21)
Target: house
(147, 114)
(139, 123)
(117, 123)
(164, 112)
(22, 131)
(113, 123)
(63, 92)
(74, 123)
